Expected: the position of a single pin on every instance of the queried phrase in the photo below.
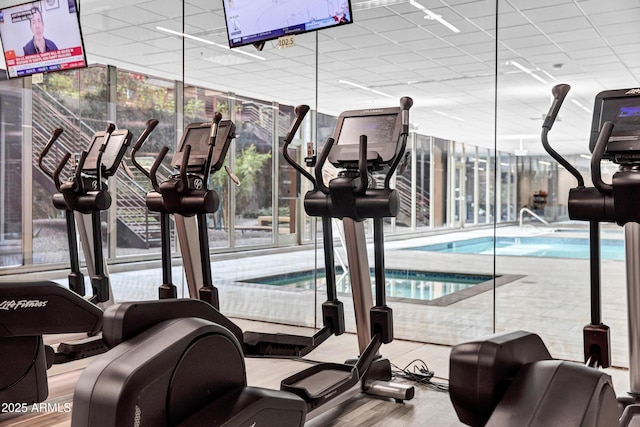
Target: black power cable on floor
(418, 372)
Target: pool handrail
(534, 215)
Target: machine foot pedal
(321, 383)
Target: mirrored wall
(482, 241)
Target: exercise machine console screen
(113, 154)
(622, 109)
(381, 127)
(197, 135)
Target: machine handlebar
(108, 131)
(319, 181)
(362, 167)
(184, 181)
(103, 147)
(301, 111)
(405, 105)
(559, 93)
(78, 175)
(54, 136)
(156, 165)
(217, 117)
(596, 157)
(58, 171)
(151, 125)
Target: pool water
(550, 247)
(416, 285)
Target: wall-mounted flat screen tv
(256, 21)
(41, 36)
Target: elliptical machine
(364, 141)
(33, 309)
(190, 372)
(185, 195)
(202, 151)
(516, 381)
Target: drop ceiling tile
(595, 7)
(524, 42)
(476, 9)
(559, 11)
(617, 17)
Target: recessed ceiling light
(368, 89)
(527, 71)
(371, 4)
(430, 15)
(205, 41)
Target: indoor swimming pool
(549, 247)
(403, 284)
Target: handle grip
(217, 117)
(362, 167)
(151, 125)
(405, 105)
(58, 171)
(54, 136)
(321, 161)
(78, 175)
(184, 182)
(596, 157)
(301, 111)
(108, 131)
(559, 92)
(156, 165)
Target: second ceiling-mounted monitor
(256, 21)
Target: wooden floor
(428, 408)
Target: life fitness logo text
(8, 305)
(633, 92)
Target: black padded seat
(481, 370)
(557, 393)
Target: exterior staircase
(136, 226)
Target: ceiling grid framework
(591, 44)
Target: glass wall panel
(593, 47)
(288, 180)
(471, 185)
(404, 185)
(440, 203)
(169, 59)
(198, 106)
(423, 180)
(254, 167)
(264, 210)
(76, 102)
(458, 190)
(11, 169)
(448, 69)
(507, 208)
(484, 186)
(140, 98)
